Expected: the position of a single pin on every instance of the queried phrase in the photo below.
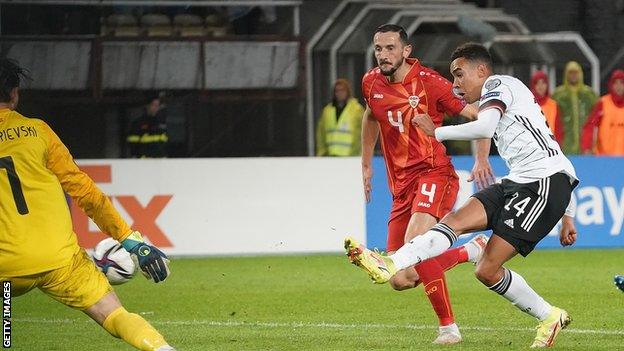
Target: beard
(395, 66)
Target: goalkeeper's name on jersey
(17, 132)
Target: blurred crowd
(581, 121)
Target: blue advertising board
(599, 212)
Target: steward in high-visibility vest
(338, 132)
(608, 118)
(539, 87)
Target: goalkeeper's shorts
(79, 285)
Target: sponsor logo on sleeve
(490, 95)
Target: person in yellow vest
(550, 108)
(38, 247)
(606, 121)
(339, 128)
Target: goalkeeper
(38, 248)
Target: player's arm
(492, 105)
(483, 127)
(567, 234)
(98, 207)
(482, 170)
(370, 133)
(83, 190)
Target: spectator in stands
(575, 100)
(148, 134)
(552, 113)
(607, 118)
(339, 128)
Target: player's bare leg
(513, 287)
(404, 279)
(130, 327)
(103, 307)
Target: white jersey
(523, 139)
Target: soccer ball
(114, 261)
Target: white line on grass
(322, 325)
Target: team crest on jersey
(413, 101)
(492, 84)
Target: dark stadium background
(266, 121)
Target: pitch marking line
(321, 325)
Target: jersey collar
(412, 73)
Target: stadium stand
(121, 25)
(188, 25)
(156, 25)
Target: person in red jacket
(607, 117)
(539, 87)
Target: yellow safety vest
(340, 136)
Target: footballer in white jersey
(537, 192)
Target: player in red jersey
(422, 179)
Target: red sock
(452, 257)
(432, 276)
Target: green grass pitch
(320, 302)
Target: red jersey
(407, 150)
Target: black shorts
(523, 214)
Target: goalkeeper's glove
(153, 263)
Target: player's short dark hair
(394, 28)
(11, 74)
(473, 52)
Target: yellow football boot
(380, 268)
(548, 329)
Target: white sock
(433, 243)
(515, 289)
